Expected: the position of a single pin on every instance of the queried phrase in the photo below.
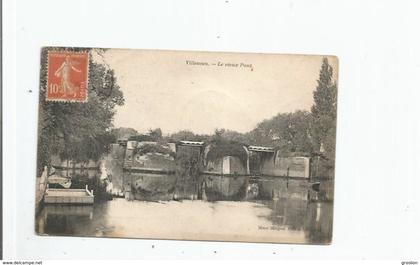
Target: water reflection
(282, 210)
(319, 222)
(64, 219)
(313, 218)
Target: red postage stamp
(67, 76)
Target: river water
(294, 214)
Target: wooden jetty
(68, 196)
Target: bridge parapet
(264, 149)
(191, 143)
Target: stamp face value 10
(67, 76)
(148, 120)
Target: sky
(234, 91)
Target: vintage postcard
(186, 145)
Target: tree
(289, 132)
(156, 134)
(78, 131)
(233, 136)
(185, 135)
(123, 133)
(324, 112)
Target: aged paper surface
(186, 145)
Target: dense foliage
(289, 132)
(123, 133)
(186, 135)
(78, 131)
(141, 138)
(324, 113)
